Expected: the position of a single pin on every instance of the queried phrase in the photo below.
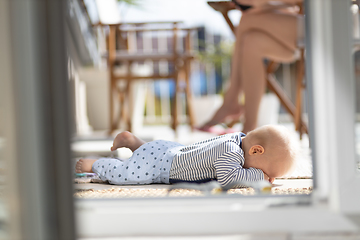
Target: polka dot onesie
(150, 163)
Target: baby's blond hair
(280, 147)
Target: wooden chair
(295, 110)
(120, 53)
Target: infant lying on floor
(263, 154)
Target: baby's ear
(256, 150)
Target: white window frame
(337, 183)
(334, 105)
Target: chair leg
(188, 93)
(128, 98)
(121, 112)
(275, 87)
(299, 88)
(112, 84)
(175, 102)
(111, 102)
(129, 105)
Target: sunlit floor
(102, 190)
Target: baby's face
(258, 161)
(270, 166)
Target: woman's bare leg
(231, 108)
(257, 46)
(128, 140)
(282, 28)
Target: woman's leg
(257, 45)
(231, 108)
(280, 27)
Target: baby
(263, 154)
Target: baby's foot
(124, 139)
(84, 165)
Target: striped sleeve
(229, 169)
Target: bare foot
(84, 165)
(223, 114)
(128, 140)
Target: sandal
(216, 129)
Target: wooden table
(224, 7)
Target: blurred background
(210, 44)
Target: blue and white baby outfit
(220, 158)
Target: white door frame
(330, 65)
(35, 122)
(337, 184)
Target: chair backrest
(128, 34)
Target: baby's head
(271, 149)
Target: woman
(265, 31)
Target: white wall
(97, 90)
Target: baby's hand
(267, 178)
